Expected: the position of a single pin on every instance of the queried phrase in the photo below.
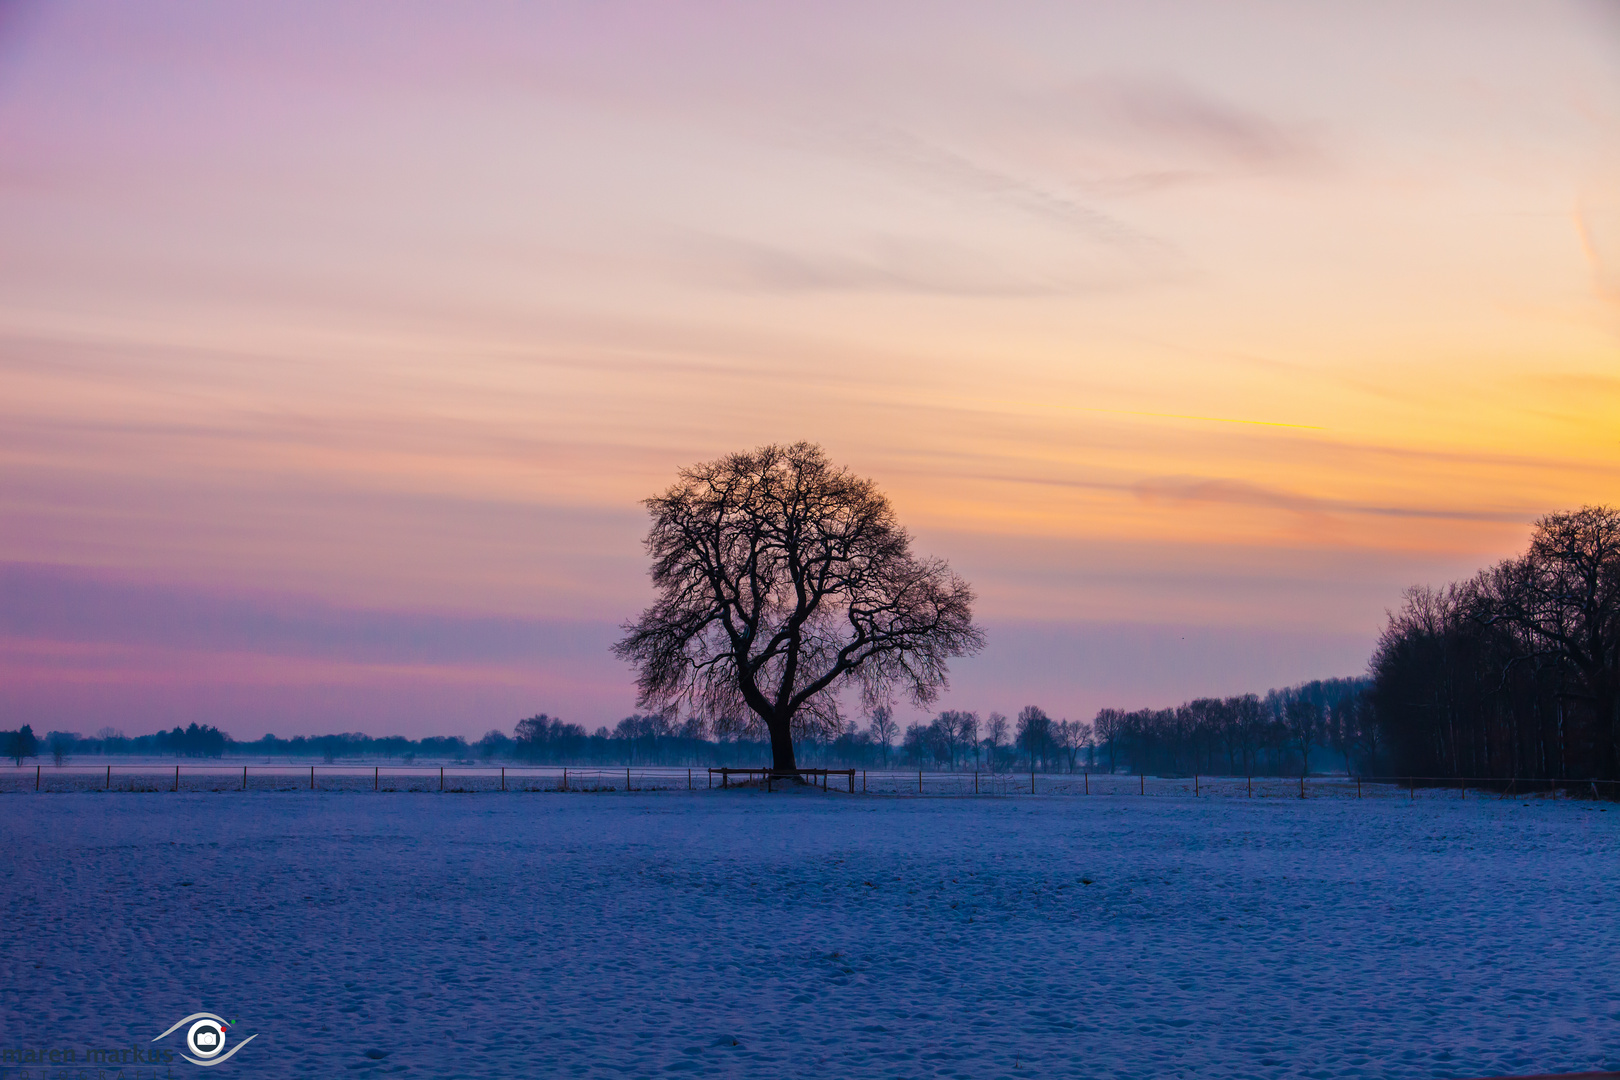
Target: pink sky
(338, 345)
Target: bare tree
(1563, 597)
(1302, 719)
(1109, 725)
(968, 730)
(956, 731)
(884, 729)
(782, 579)
(1035, 735)
(996, 732)
(1071, 738)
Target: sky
(340, 343)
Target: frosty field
(741, 934)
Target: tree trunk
(782, 759)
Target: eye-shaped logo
(205, 1039)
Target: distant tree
(1071, 739)
(1302, 719)
(193, 741)
(996, 732)
(968, 733)
(645, 734)
(853, 746)
(917, 745)
(782, 579)
(543, 737)
(494, 744)
(954, 731)
(60, 743)
(532, 730)
(1035, 735)
(1107, 724)
(883, 729)
(1249, 718)
(21, 744)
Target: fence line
(466, 778)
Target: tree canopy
(781, 580)
(1515, 672)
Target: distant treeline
(1283, 732)
(1516, 671)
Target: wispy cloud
(955, 171)
(1188, 490)
(880, 265)
(1194, 128)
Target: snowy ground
(741, 934)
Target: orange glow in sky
(1190, 333)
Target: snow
(740, 934)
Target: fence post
(441, 776)
(1251, 787)
(975, 781)
(1412, 788)
(1195, 785)
(244, 777)
(1302, 785)
(768, 779)
(376, 778)
(919, 781)
(1142, 779)
(109, 776)
(852, 781)
(863, 781)
(565, 778)
(627, 779)
(689, 780)
(1358, 787)
(177, 778)
(37, 768)
(1088, 783)
(503, 777)
(1032, 781)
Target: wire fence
(464, 779)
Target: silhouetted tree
(883, 729)
(21, 744)
(1302, 719)
(1071, 739)
(1515, 672)
(1035, 735)
(996, 731)
(1107, 725)
(968, 733)
(1561, 600)
(782, 579)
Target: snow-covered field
(744, 934)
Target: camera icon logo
(205, 1039)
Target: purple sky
(338, 345)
